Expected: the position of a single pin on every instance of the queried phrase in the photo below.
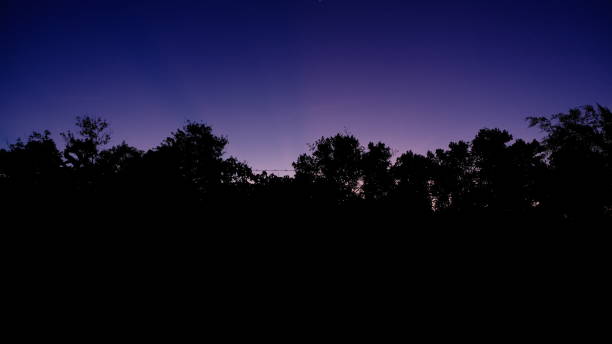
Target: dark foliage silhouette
(578, 150)
(188, 168)
(565, 176)
(412, 175)
(331, 173)
(83, 151)
(377, 177)
(31, 172)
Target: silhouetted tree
(190, 164)
(83, 150)
(503, 172)
(412, 173)
(491, 166)
(377, 178)
(272, 192)
(452, 175)
(578, 146)
(30, 171)
(38, 157)
(527, 176)
(118, 159)
(492, 177)
(333, 171)
(120, 173)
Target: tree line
(566, 175)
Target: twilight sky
(273, 76)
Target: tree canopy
(566, 175)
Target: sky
(273, 76)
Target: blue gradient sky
(275, 75)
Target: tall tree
(413, 177)
(191, 162)
(83, 149)
(377, 178)
(31, 171)
(504, 172)
(493, 169)
(35, 160)
(333, 170)
(578, 146)
(452, 174)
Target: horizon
(273, 76)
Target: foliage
(564, 176)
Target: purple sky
(273, 76)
